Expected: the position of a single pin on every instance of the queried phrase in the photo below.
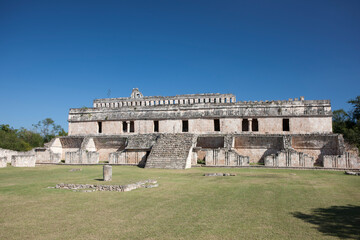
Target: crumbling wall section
(46, 155)
(346, 160)
(257, 147)
(318, 145)
(134, 157)
(224, 157)
(9, 153)
(3, 162)
(289, 158)
(23, 160)
(82, 157)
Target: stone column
(250, 124)
(107, 173)
(128, 126)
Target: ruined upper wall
(293, 108)
(139, 100)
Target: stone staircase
(171, 151)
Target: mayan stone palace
(215, 129)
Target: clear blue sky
(56, 55)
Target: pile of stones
(75, 170)
(116, 188)
(219, 174)
(352, 173)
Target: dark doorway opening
(286, 124)
(132, 126)
(217, 125)
(245, 125)
(185, 125)
(99, 127)
(156, 126)
(255, 125)
(124, 126)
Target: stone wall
(257, 147)
(134, 157)
(9, 153)
(46, 155)
(200, 110)
(3, 162)
(318, 145)
(23, 160)
(289, 158)
(81, 157)
(269, 125)
(224, 157)
(346, 160)
(210, 142)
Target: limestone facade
(212, 129)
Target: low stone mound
(116, 188)
(219, 174)
(352, 173)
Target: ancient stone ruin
(117, 188)
(214, 129)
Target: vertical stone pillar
(128, 126)
(250, 124)
(107, 173)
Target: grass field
(255, 204)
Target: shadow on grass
(338, 221)
(99, 179)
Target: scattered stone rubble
(352, 173)
(219, 174)
(116, 188)
(75, 170)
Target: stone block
(44, 155)
(23, 161)
(107, 172)
(3, 162)
(82, 157)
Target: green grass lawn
(255, 204)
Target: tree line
(348, 123)
(24, 140)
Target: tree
(356, 111)
(48, 129)
(9, 139)
(348, 123)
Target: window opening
(216, 125)
(255, 125)
(245, 125)
(185, 125)
(99, 127)
(286, 125)
(156, 126)
(124, 126)
(132, 126)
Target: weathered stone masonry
(176, 132)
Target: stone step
(170, 151)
